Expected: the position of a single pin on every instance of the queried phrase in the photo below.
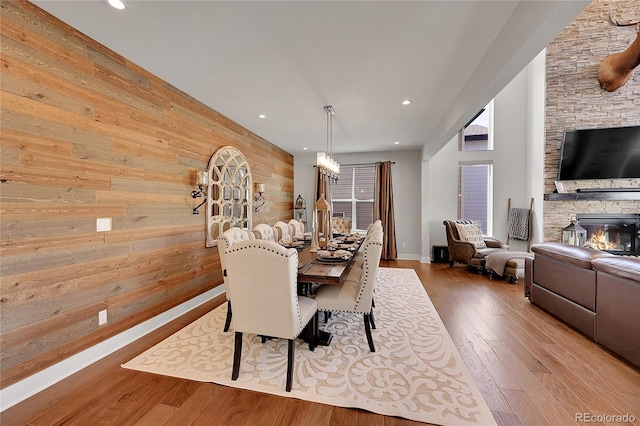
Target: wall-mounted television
(607, 153)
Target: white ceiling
(288, 59)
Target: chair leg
(371, 319)
(237, 351)
(290, 361)
(312, 332)
(367, 329)
(227, 322)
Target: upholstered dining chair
(341, 225)
(298, 229)
(355, 295)
(262, 231)
(374, 228)
(376, 224)
(283, 233)
(227, 239)
(262, 276)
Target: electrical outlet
(404, 245)
(103, 224)
(102, 317)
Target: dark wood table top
(314, 271)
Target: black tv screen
(609, 153)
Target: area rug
(416, 372)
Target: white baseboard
(30, 386)
(408, 256)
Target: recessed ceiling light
(304, 149)
(118, 4)
(396, 143)
(262, 116)
(406, 102)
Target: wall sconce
(202, 180)
(259, 188)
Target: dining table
(316, 270)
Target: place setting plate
(295, 244)
(333, 256)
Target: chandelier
(325, 163)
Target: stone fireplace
(574, 100)
(614, 233)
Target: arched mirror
(229, 197)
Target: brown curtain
(383, 209)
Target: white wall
(406, 195)
(442, 187)
(518, 162)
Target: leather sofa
(593, 291)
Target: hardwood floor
(531, 369)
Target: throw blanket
(498, 260)
(518, 224)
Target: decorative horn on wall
(617, 68)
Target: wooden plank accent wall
(86, 134)
(574, 100)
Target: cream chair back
(298, 229)
(374, 233)
(263, 278)
(375, 225)
(341, 225)
(262, 231)
(371, 253)
(227, 239)
(283, 233)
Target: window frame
(462, 142)
(353, 200)
(488, 226)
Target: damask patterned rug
(416, 372)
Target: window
(475, 194)
(477, 135)
(352, 195)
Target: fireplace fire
(614, 233)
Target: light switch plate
(102, 317)
(103, 224)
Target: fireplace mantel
(604, 196)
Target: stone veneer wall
(574, 100)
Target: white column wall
(518, 162)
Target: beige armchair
(341, 225)
(262, 231)
(356, 292)
(226, 240)
(472, 248)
